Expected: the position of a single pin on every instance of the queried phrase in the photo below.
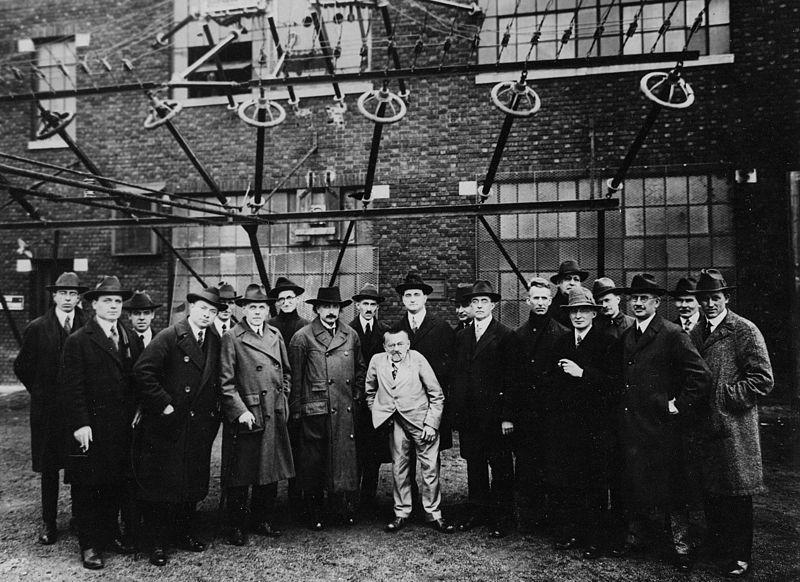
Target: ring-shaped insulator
(394, 110)
(527, 100)
(610, 185)
(51, 123)
(680, 94)
(161, 111)
(275, 112)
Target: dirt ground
(365, 552)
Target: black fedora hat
(711, 280)
(482, 289)
(369, 291)
(210, 295)
(684, 286)
(329, 295)
(581, 297)
(108, 285)
(284, 284)
(604, 286)
(461, 290)
(227, 292)
(569, 267)
(414, 280)
(139, 302)
(253, 294)
(67, 280)
(645, 283)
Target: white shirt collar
(365, 322)
(481, 325)
(419, 317)
(147, 335)
(581, 334)
(195, 329)
(326, 326)
(218, 324)
(106, 326)
(693, 319)
(257, 330)
(62, 316)
(643, 325)
(717, 320)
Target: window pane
(678, 253)
(722, 218)
(699, 252)
(698, 189)
(634, 221)
(677, 220)
(567, 224)
(655, 219)
(633, 192)
(719, 40)
(634, 254)
(508, 226)
(676, 189)
(724, 249)
(548, 226)
(698, 220)
(527, 226)
(654, 191)
(721, 190)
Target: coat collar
(324, 336)
(486, 338)
(99, 337)
(265, 344)
(632, 346)
(188, 344)
(725, 328)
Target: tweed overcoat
(37, 367)
(255, 375)
(172, 453)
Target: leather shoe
(92, 559)
(442, 526)
(190, 543)
(683, 563)
(122, 545)
(158, 557)
(396, 524)
(736, 569)
(592, 552)
(265, 529)
(48, 535)
(237, 537)
(471, 522)
(566, 544)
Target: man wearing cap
(371, 443)
(536, 338)
(741, 372)
(256, 380)
(228, 296)
(98, 403)
(610, 319)
(178, 383)
(327, 392)
(464, 312)
(578, 402)
(666, 381)
(569, 275)
(141, 311)
(683, 296)
(37, 366)
(483, 386)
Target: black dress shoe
(592, 552)
(396, 524)
(471, 522)
(122, 545)
(158, 557)
(736, 569)
(190, 543)
(92, 559)
(265, 528)
(442, 526)
(237, 537)
(683, 563)
(48, 535)
(566, 544)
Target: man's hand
(168, 409)
(248, 419)
(571, 368)
(84, 436)
(428, 434)
(507, 427)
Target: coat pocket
(314, 408)
(253, 403)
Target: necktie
(414, 326)
(225, 327)
(578, 341)
(707, 330)
(638, 333)
(67, 325)
(141, 340)
(478, 332)
(200, 338)
(394, 371)
(368, 331)
(687, 325)
(115, 337)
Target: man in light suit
(402, 389)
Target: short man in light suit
(402, 388)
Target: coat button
(347, 353)
(327, 355)
(351, 436)
(330, 381)
(630, 362)
(347, 381)
(186, 359)
(533, 361)
(187, 388)
(191, 413)
(259, 368)
(263, 392)
(277, 366)
(333, 411)
(349, 409)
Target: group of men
(591, 418)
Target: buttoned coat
(98, 392)
(663, 364)
(614, 326)
(731, 449)
(255, 376)
(173, 452)
(327, 383)
(37, 367)
(288, 325)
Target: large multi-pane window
(55, 71)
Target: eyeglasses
(285, 299)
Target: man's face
(108, 307)
(66, 299)
(713, 303)
(367, 308)
(610, 304)
(414, 300)
(539, 300)
(287, 301)
(202, 314)
(643, 305)
(568, 282)
(581, 317)
(328, 312)
(686, 305)
(396, 345)
(482, 307)
(141, 319)
(464, 311)
(225, 314)
(256, 313)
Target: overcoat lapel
(422, 330)
(98, 336)
(264, 344)
(210, 358)
(486, 338)
(723, 330)
(632, 346)
(188, 344)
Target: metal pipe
(220, 68)
(342, 249)
(294, 169)
(261, 133)
(325, 45)
(472, 7)
(369, 180)
(387, 24)
(252, 234)
(178, 256)
(161, 39)
(498, 148)
(502, 250)
(619, 177)
(276, 39)
(196, 162)
(210, 54)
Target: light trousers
(402, 438)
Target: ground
(365, 552)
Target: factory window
(137, 240)
(54, 70)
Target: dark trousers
(730, 526)
(130, 512)
(262, 504)
(492, 500)
(50, 485)
(96, 508)
(164, 522)
(578, 514)
(295, 491)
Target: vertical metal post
(794, 229)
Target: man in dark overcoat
(611, 318)
(178, 386)
(463, 306)
(569, 275)
(141, 310)
(37, 366)
(328, 373)
(98, 406)
(666, 382)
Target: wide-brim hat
(369, 291)
(227, 292)
(604, 286)
(414, 281)
(67, 280)
(581, 297)
(711, 280)
(645, 283)
(684, 286)
(329, 295)
(284, 284)
(210, 295)
(139, 302)
(253, 294)
(461, 291)
(569, 267)
(482, 289)
(108, 285)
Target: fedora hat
(227, 292)
(711, 280)
(413, 280)
(569, 267)
(482, 289)
(140, 301)
(684, 286)
(369, 291)
(253, 294)
(284, 284)
(329, 295)
(580, 297)
(604, 286)
(108, 285)
(210, 295)
(645, 283)
(461, 291)
(67, 280)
